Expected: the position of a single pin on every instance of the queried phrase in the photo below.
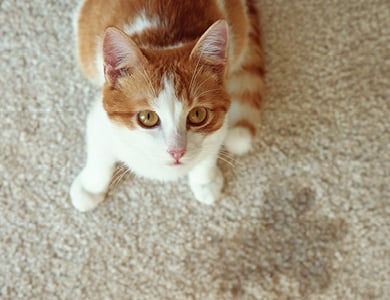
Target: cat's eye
(197, 116)
(148, 118)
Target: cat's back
(155, 24)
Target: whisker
(117, 171)
(147, 79)
(206, 92)
(118, 176)
(224, 151)
(122, 178)
(226, 161)
(222, 154)
(114, 182)
(230, 158)
(150, 83)
(195, 74)
(199, 86)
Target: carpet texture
(306, 215)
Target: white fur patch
(238, 140)
(140, 23)
(170, 109)
(240, 111)
(173, 46)
(209, 190)
(82, 199)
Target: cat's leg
(91, 185)
(206, 180)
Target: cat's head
(168, 106)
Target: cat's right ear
(120, 54)
(212, 46)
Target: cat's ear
(120, 54)
(212, 46)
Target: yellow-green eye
(148, 118)
(197, 116)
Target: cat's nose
(177, 153)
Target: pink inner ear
(212, 46)
(119, 53)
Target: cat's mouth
(176, 163)
(179, 163)
(187, 160)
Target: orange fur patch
(134, 92)
(183, 22)
(254, 99)
(247, 125)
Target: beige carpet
(305, 216)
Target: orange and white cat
(179, 79)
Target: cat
(179, 80)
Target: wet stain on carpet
(289, 253)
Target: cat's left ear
(212, 46)
(120, 54)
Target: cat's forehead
(167, 103)
(168, 56)
(175, 62)
(187, 79)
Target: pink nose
(177, 153)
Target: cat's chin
(167, 172)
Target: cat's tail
(246, 88)
(243, 120)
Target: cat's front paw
(83, 200)
(208, 192)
